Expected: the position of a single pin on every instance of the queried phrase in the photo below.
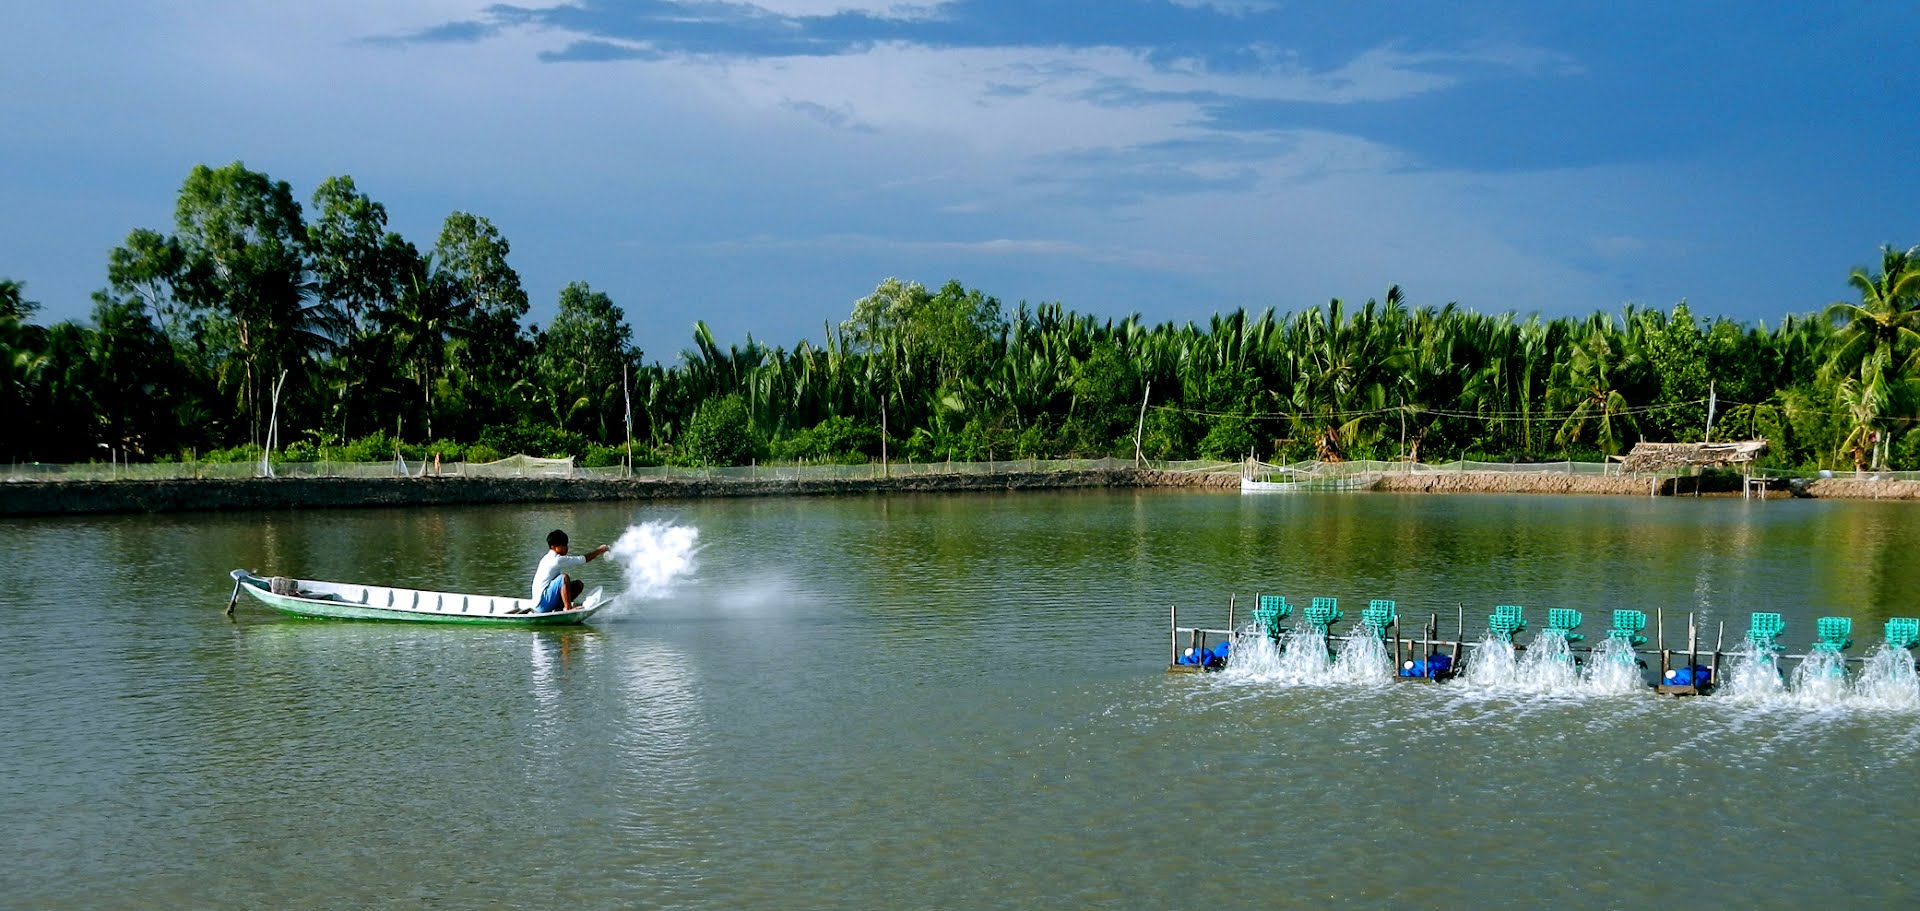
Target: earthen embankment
(43, 498)
(50, 498)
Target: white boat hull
(352, 601)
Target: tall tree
(1599, 363)
(1676, 352)
(1876, 352)
(242, 253)
(581, 358)
(490, 350)
(13, 301)
(360, 269)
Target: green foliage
(390, 347)
(378, 446)
(581, 362)
(837, 439)
(245, 452)
(1676, 351)
(1168, 434)
(598, 456)
(1229, 438)
(13, 303)
(482, 452)
(541, 440)
(720, 434)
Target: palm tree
(1877, 349)
(1588, 383)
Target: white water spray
(1302, 656)
(1821, 677)
(1548, 664)
(654, 556)
(1754, 673)
(1491, 664)
(1888, 679)
(1612, 667)
(1363, 658)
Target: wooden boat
(352, 601)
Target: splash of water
(1363, 658)
(1821, 678)
(654, 556)
(1491, 664)
(1300, 656)
(1612, 667)
(1254, 654)
(1548, 664)
(1754, 674)
(1888, 679)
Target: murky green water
(932, 702)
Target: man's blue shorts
(550, 599)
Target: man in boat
(553, 589)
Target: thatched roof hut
(1668, 456)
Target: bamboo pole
(1660, 641)
(1396, 645)
(1173, 634)
(1718, 640)
(1693, 647)
(1139, 456)
(1459, 630)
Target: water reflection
(951, 701)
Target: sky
(762, 165)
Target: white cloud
(882, 9)
(1230, 7)
(997, 247)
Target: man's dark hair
(556, 538)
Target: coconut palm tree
(1588, 384)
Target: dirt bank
(1513, 482)
(44, 498)
(1850, 489)
(1201, 479)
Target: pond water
(937, 701)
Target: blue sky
(761, 165)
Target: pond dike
(1714, 485)
(54, 498)
(57, 498)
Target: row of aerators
(1428, 657)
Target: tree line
(317, 332)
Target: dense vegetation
(256, 314)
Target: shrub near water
(721, 433)
(838, 440)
